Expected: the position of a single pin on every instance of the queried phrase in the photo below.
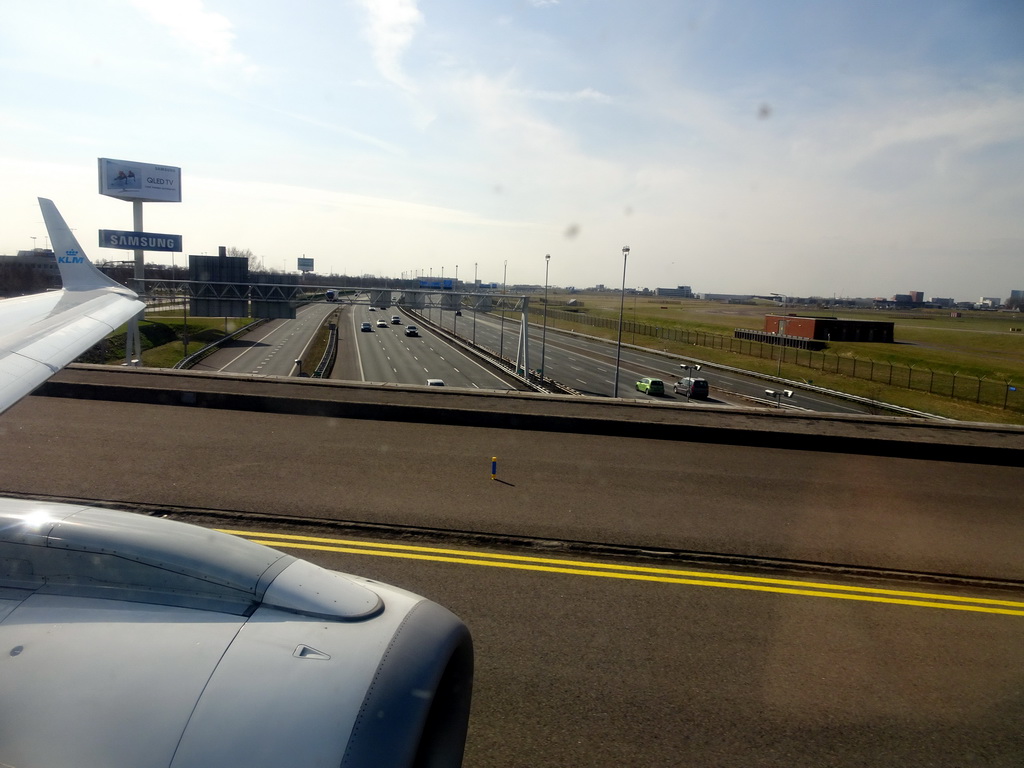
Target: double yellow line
(637, 573)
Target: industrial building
(829, 328)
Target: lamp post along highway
(689, 377)
(544, 332)
(622, 304)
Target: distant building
(682, 292)
(989, 301)
(944, 303)
(28, 272)
(830, 328)
(727, 297)
(916, 297)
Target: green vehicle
(651, 386)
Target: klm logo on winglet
(72, 257)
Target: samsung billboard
(140, 181)
(146, 241)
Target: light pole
(544, 333)
(778, 394)
(622, 303)
(504, 281)
(476, 287)
(689, 378)
(33, 243)
(458, 296)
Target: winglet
(76, 271)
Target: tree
(254, 260)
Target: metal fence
(1001, 394)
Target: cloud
(584, 94)
(391, 27)
(207, 32)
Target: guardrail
(330, 354)
(213, 346)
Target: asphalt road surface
(579, 664)
(272, 348)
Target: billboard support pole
(133, 341)
(127, 180)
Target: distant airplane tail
(76, 271)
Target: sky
(801, 147)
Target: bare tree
(254, 260)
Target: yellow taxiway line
(637, 573)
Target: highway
(588, 365)
(272, 348)
(386, 354)
(584, 658)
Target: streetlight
(455, 317)
(689, 385)
(33, 243)
(544, 333)
(622, 303)
(476, 287)
(778, 394)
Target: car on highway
(435, 382)
(396, 320)
(651, 386)
(365, 327)
(693, 388)
(373, 309)
(411, 330)
(382, 324)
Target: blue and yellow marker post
(494, 467)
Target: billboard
(143, 241)
(140, 181)
(305, 265)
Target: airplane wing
(133, 640)
(41, 333)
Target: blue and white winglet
(41, 333)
